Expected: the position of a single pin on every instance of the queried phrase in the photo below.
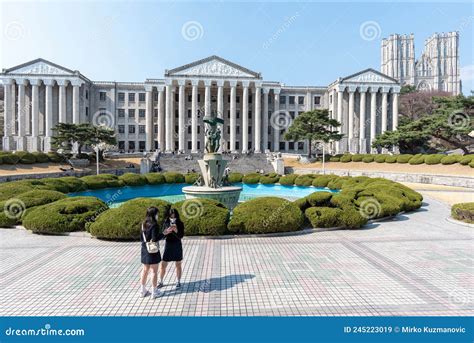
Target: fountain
(213, 182)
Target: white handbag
(151, 247)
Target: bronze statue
(213, 133)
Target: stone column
(309, 103)
(9, 115)
(168, 121)
(362, 141)
(384, 109)
(233, 115)
(76, 116)
(181, 115)
(395, 111)
(148, 117)
(173, 119)
(350, 130)
(194, 114)
(161, 119)
(220, 109)
(340, 94)
(62, 101)
(245, 116)
(35, 143)
(22, 116)
(373, 118)
(48, 113)
(265, 118)
(258, 120)
(275, 121)
(207, 108)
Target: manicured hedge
(266, 215)
(464, 212)
(466, 159)
(40, 157)
(471, 164)
(434, 159)
(417, 159)
(132, 179)
(173, 177)
(235, 177)
(252, 178)
(357, 157)
(270, 178)
(65, 215)
(10, 158)
(155, 178)
(404, 158)
(451, 159)
(124, 222)
(288, 179)
(380, 158)
(191, 178)
(55, 157)
(368, 159)
(323, 180)
(304, 180)
(74, 184)
(324, 217)
(203, 216)
(102, 181)
(391, 159)
(345, 158)
(14, 209)
(334, 159)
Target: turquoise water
(173, 192)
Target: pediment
(213, 66)
(39, 67)
(369, 76)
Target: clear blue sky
(294, 42)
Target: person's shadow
(210, 285)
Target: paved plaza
(416, 264)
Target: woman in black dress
(173, 229)
(150, 232)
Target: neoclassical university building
(167, 113)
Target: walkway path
(418, 264)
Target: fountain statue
(213, 184)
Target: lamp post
(98, 147)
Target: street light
(98, 147)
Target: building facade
(166, 114)
(437, 69)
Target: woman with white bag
(151, 257)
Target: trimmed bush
(154, 178)
(270, 178)
(345, 158)
(40, 157)
(102, 181)
(334, 159)
(74, 184)
(124, 222)
(252, 178)
(404, 158)
(324, 217)
(132, 179)
(319, 198)
(11, 189)
(173, 177)
(288, 180)
(380, 158)
(464, 212)
(66, 215)
(265, 215)
(417, 159)
(466, 159)
(323, 180)
(191, 178)
(203, 216)
(14, 209)
(26, 157)
(434, 159)
(55, 184)
(391, 159)
(357, 157)
(352, 219)
(450, 159)
(368, 158)
(471, 164)
(55, 157)
(10, 158)
(235, 177)
(342, 201)
(304, 180)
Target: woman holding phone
(173, 229)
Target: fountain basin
(228, 196)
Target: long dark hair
(176, 215)
(150, 218)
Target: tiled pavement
(417, 264)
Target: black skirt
(173, 251)
(148, 258)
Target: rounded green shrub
(74, 184)
(466, 159)
(368, 158)
(404, 158)
(334, 159)
(102, 181)
(338, 182)
(471, 164)
(55, 157)
(252, 178)
(266, 215)
(357, 157)
(324, 217)
(40, 157)
(154, 178)
(434, 159)
(11, 189)
(65, 215)
(391, 159)
(380, 158)
(55, 184)
(288, 180)
(323, 180)
(464, 212)
(352, 219)
(14, 209)
(342, 201)
(191, 178)
(203, 216)
(124, 222)
(132, 179)
(417, 159)
(10, 158)
(450, 159)
(270, 178)
(319, 198)
(235, 177)
(173, 177)
(26, 157)
(304, 180)
(345, 158)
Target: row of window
(141, 129)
